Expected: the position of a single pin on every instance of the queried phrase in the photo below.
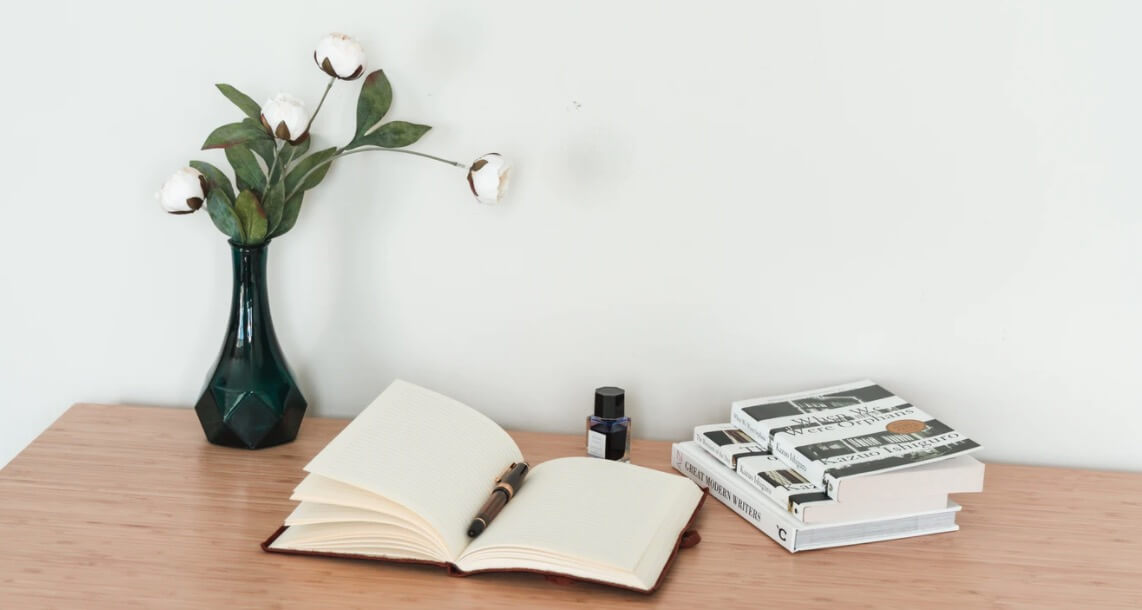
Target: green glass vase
(251, 399)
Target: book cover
(782, 484)
(923, 488)
(832, 434)
(727, 443)
(773, 478)
(763, 417)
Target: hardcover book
(832, 435)
(809, 503)
(785, 486)
(727, 443)
(724, 484)
(404, 479)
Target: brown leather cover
(686, 538)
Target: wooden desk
(129, 506)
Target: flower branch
(320, 103)
(269, 197)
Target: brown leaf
(326, 66)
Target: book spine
(751, 426)
(713, 449)
(779, 495)
(783, 446)
(720, 484)
(832, 487)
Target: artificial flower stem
(407, 152)
(332, 79)
(277, 159)
(341, 152)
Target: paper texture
(410, 433)
(583, 511)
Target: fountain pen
(505, 488)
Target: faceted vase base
(246, 421)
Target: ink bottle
(608, 430)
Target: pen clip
(505, 472)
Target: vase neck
(249, 303)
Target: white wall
(711, 202)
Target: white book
(727, 443)
(811, 505)
(692, 461)
(875, 496)
(837, 434)
(786, 487)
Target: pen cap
(609, 402)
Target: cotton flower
(183, 192)
(488, 178)
(285, 116)
(340, 56)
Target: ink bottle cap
(609, 402)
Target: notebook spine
(720, 484)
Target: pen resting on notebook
(505, 488)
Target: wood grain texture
(125, 507)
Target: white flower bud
(488, 177)
(340, 56)
(285, 116)
(183, 192)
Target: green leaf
(274, 205)
(233, 134)
(265, 147)
(373, 102)
(216, 177)
(246, 168)
(289, 215)
(292, 152)
(252, 217)
(265, 150)
(300, 178)
(223, 215)
(396, 134)
(242, 101)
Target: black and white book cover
(727, 443)
(775, 479)
(855, 429)
(782, 484)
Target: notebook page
(604, 515)
(425, 451)
(317, 489)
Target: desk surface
(118, 506)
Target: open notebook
(403, 480)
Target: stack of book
(835, 466)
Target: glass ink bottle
(608, 430)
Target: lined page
(595, 516)
(425, 451)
